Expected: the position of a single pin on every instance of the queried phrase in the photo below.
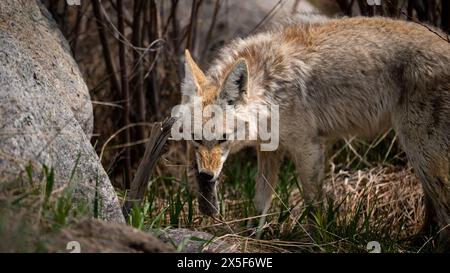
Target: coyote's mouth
(207, 196)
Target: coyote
(333, 79)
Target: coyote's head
(214, 109)
(219, 116)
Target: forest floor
(372, 202)
(371, 197)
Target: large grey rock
(93, 236)
(45, 109)
(39, 38)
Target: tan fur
(210, 158)
(206, 91)
(343, 77)
(198, 74)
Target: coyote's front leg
(309, 159)
(267, 178)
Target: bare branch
(158, 137)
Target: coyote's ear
(236, 83)
(194, 78)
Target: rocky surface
(189, 241)
(38, 37)
(45, 108)
(92, 236)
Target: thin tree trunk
(192, 28)
(363, 9)
(392, 9)
(153, 34)
(211, 28)
(125, 90)
(175, 26)
(445, 17)
(421, 10)
(106, 49)
(138, 64)
(76, 31)
(410, 9)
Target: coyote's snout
(345, 77)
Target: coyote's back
(350, 74)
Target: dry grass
(388, 193)
(389, 197)
(377, 204)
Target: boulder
(45, 109)
(93, 236)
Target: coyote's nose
(205, 176)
